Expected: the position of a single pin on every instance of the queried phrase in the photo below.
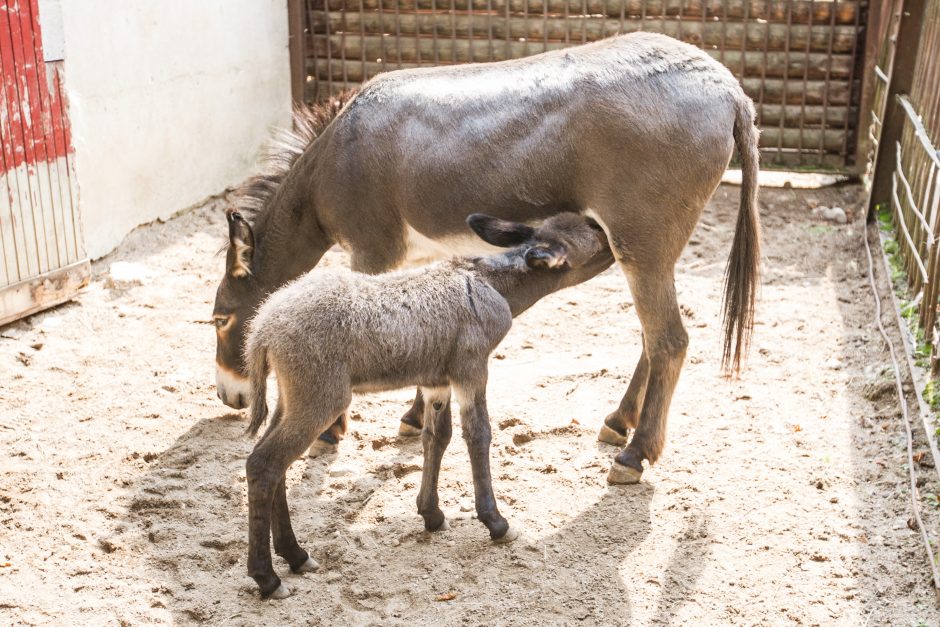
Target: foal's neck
(515, 281)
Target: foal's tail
(258, 370)
(742, 275)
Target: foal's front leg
(476, 432)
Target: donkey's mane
(283, 150)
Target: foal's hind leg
(285, 543)
(267, 501)
(616, 427)
(665, 343)
(436, 437)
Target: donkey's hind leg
(435, 438)
(616, 427)
(665, 344)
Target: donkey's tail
(742, 275)
(258, 370)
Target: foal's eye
(221, 322)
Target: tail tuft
(258, 376)
(742, 276)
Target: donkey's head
(238, 296)
(564, 250)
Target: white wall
(169, 101)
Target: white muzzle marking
(233, 390)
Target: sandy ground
(781, 498)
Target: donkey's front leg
(436, 437)
(476, 432)
(327, 442)
(413, 420)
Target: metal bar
(295, 46)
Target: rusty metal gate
(800, 60)
(42, 256)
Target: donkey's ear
(549, 257)
(502, 233)
(242, 244)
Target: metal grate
(798, 59)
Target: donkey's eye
(221, 322)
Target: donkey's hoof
(511, 534)
(320, 448)
(308, 567)
(280, 593)
(406, 430)
(608, 435)
(620, 474)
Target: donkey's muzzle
(231, 388)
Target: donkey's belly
(423, 249)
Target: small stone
(333, 576)
(832, 214)
(396, 542)
(342, 471)
(466, 506)
(452, 543)
(834, 364)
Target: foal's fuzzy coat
(331, 333)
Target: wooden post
(295, 39)
(875, 28)
(905, 58)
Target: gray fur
(634, 131)
(332, 333)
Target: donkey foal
(329, 334)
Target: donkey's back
(641, 116)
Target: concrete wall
(170, 102)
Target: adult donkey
(634, 131)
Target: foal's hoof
(610, 436)
(620, 474)
(308, 567)
(321, 447)
(511, 534)
(280, 593)
(406, 430)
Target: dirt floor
(782, 498)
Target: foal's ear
(502, 233)
(242, 242)
(553, 256)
